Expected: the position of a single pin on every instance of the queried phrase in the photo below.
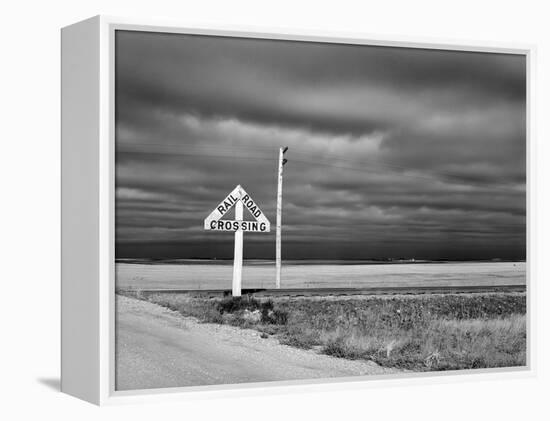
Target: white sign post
(238, 253)
(241, 200)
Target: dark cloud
(324, 86)
(393, 151)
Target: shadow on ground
(54, 383)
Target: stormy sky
(393, 152)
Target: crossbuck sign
(239, 199)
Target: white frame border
(107, 394)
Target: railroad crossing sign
(239, 199)
(215, 222)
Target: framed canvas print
(246, 209)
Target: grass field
(420, 333)
(189, 274)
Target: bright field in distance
(198, 274)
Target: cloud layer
(393, 152)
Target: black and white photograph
(294, 210)
(275, 211)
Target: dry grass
(438, 332)
(441, 345)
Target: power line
(451, 178)
(301, 151)
(295, 150)
(195, 155)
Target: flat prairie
(197, 274)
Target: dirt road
(157, 347)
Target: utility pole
(282, 162)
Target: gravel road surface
(157, 347)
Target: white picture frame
(88, 328)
